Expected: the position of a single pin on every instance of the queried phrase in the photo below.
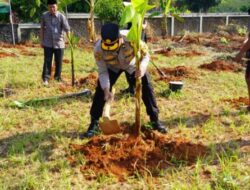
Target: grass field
(34, 141)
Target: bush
(109, 10)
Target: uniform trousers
(148, 96)
(48, 56)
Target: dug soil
(170, 53)
(127, 156)
(174, 74)
(3, 55)
(238, 102)
(221, 65)
(89, 81)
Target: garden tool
(107, 125)
(41, 101)
(162, 74)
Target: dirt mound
(224, 44)
(128, 156)
(175, 74)
(169, 53)
(27, 53)
(187, 39)
(236, 103)
(17, 46)
(89, 80)
(221, 65)
(4, 54)
(66, 61)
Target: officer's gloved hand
(140, 73)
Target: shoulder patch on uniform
(98, 56)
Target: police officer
(115, 55)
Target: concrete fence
(198, 23)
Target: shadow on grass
(229, 150)
(199, 119)
(50, 101)
(28, 143)
(164, 94)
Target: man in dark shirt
(245, 51)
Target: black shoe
(128, 90)
(159, 127)
(45, 82)
(92, 130)
(58, 79)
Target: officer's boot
(92, 130)
(130, 90)
(157, 125)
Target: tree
(135, 14)
(81, 6)
(91, 20)
(109, 10)
(31, 11)
(165, 6)
(198, 5)
(166, 9)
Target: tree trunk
(72, 67)
(164, 26)
(91, 22)
(138, 93)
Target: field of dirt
(238, 102)
(89, 81)
(173, 74)
(222, 65)
(5, 54)
(223, 42)
(170, 53)
(127, 155)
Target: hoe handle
(106, 110)
(107, 107)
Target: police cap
(110, 36)
(51, 2)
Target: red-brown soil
(66, 61)
(174, 74)
(169, 53)
(234, 42)
(17, 46)
(89, 80)
(153, 39)
(27, 53)
(126, 156)
(4, 54)
(221, 65)
(236, 103)
(187, 39)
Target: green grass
(34, 142)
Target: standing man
(53, 26)
(245, 51)
(114, 55)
